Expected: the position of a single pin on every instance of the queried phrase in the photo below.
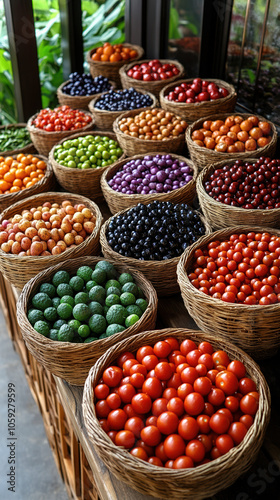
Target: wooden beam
(71, 36)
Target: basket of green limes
(71, 313)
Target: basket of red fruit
(229, 282)
(240, 192)
(151, 75)
(195, 98)
(50, 126)
(165, 421)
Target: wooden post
(71, 36)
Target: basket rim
(204, 174)
(197, 105)
(182, 274)
(115, 64)
(65, 195)
(27, 294)
(155, 83)
(199, 149)
(88, 406)
(157, 196)
(116, 113)
(34, 130)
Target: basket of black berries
(151, 238)
(79, 90)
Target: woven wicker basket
(85, 182)
(111, 69)
(29, 148)
(77, 101)
(72, 361)
(154, 86)
(45, 184)
(254, 328)
(44, 141)
(104, 119)
(220, 215)
(161, 273)
(189, 484)
(18, 270)
(193, 111)
(133, 145)
(119, 201)
(202, 156)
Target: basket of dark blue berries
(106, 108)
(145, 178)
(151, 238)
(79, 90)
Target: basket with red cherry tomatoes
(151, 75)
(176, 412)
(230, 284)
(49, 126)
(195, 98)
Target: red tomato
(138, 368)
(219, 423)
(116, 419)
(194, 403)
(102, 409)
(151, 435)
(203, 423)
(220, 358)
(188, 428)
(112, 376)
(247, 420)
(155, 461)
(216, 396)
(123, 357)
(237, 431)
(114, 401)
(174, 446)
(249, 405)
(227, 381)
(141, 403)
(125, 438)
(101, 391)
(184, 389)
(139, 452)
(137, 380)
(183, 462)
(126, 392)
(143, 351)
(167, 422)
(195, 450)
(224, 443)
(176, 405)
(159, 406)
(163, 371)
(152, 386)
(162, 349)
(246, 385)
(150, 361)
(135, 425)
(186, 346)
(203, 385)
(237, 368)
(232, 403)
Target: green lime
(134, 309)
(50, 314)
(95, 307)
(49, 289)
(41, 301)
(75, 324)
(97, 323)
(84, 272)
(130, 288)
(142, 303)
(84, 331)
(114, 283)
(114, 328)
(116, 314)
(90, 339)
(90, 284)
(125, 278)
(60, 277)
(65, 333)
(114, 290)
(34, 315)
(111, 271)
(67, 299)
(42, 327)
(53, 334)
(140, 293)
(58, 323)
(127, 299)
(97, 293)
(112, 299)
(56, 302)
(130, 320)
(103, 336)
(81, 298)
(99, 275)
(81, 312)
(64, 311)
(64, 289)
(76, 283)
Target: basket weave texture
(85, 182)
(111, 69)
(118, 201)
(153, 86)
(44, 141)
(202, 156)
(77, 101)
(133, 145)
(188, 484)
(68, 360)
(19, 270)
(45, 184)
(253, 328)
(193, 111)
(161, 273)
(29, 148)
(104, 119)
(220, 215)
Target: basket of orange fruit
(107, 59)
(22, 176)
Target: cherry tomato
(167, 422)
(237, 431)
(139, 452)
(116, 419)
(227, 381)
(183, 462)
(174, 446)
(152, 386)
(141, 403)
(151, 435)
(195, 450)
(188, 428)
(224, 443)
(125, 438)
(135, 425)
(112, 376)
(194, 403)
